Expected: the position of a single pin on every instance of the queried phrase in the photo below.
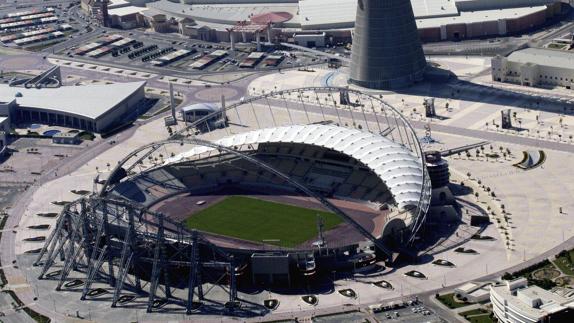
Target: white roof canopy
(399, 168)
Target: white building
(198, 111)
(535, 66)
(516, 302)
(96, 108)
(474, 292)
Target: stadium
(275, 191)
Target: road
(436, 127)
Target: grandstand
(159, 218)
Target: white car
(200, 202)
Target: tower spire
(387, 52)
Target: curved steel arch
(423, 204)
(424, 199)
(330, 206)
(249, 100)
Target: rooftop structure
(172, 57)
(125, 11)
(252, 59)
(545, 57)
(209, 59)
(28, 34)
(387, 51)
(515, 301)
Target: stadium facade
(131, 231)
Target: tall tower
(387, 52)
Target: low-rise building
(67, 138)
(535, 66)
(127, 17)
(96, 108)
(310, 39)
(199, 111)
(474, 292)
(516, 302)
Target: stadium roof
(395, 165)
(91, 101)
(545, 57)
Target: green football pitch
(257, 220)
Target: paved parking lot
(352, 317)
(229, 63)
(412, 314)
